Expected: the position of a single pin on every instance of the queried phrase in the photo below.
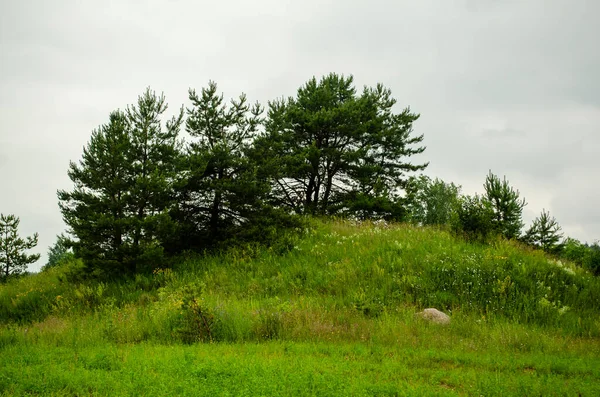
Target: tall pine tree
(222, 191)
(97, 210)
(154, 152)
(339, 152)
(118, 210)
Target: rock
(434, 316)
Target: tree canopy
(338, 152)
(431, 202)
(118, 210)
(221, 192)
(141, 194)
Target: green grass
(300, 368)
(333, 315)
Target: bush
(592, 260)
(574, 251)
(474, 218)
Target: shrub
(474, 218)
(592, 260)
(574, 251)
(197, 321)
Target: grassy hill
(329, 313)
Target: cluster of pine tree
(142, 193)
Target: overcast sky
(511, 86)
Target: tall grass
(336, 281)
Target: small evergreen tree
(545, 233)
(508, 208)
(13, 256)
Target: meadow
(329, 312)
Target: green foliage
(587, 256)
(592, 259)
(118, 210)
(59, 253)
(431, 202)
(341, 271)
(221, 192)
(574, 251)
(332, 151)
(545, 233)
(507, 205)
(197, 321)
(13, 256)
(474, 218)
(29, 299)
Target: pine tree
(222, 192)
(545, 233)
(379, 169)
(154, 152)
(508, 208)
(13, 258)
(119, 209)
(339, 152)
(97, 210)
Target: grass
(332, 315)
(290, 368)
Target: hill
(329, 313)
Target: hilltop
(329, 312)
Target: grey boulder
(435, 316)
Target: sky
(502, 85)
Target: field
(329, 313)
